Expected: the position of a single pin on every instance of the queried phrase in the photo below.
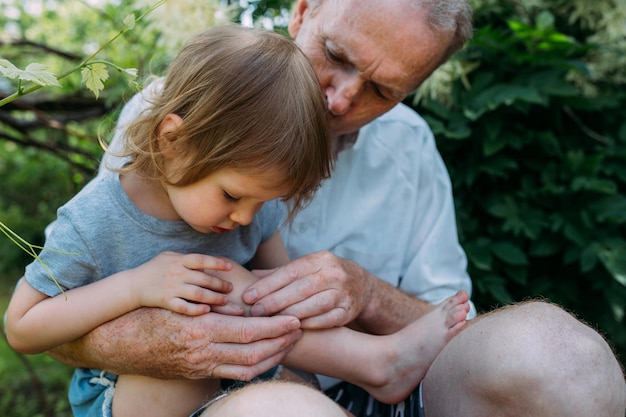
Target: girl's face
(225, 199)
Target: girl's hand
(183, 283)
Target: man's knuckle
(291, 271)
(327, 303)
(246, 375)
(247, 334)
(252, 357)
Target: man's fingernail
(257, 310)
(249, 296)
(294, 324)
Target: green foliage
(34, 385)
(528, 118)
(49, 146)
(538, 169)
(41, 391)
(267, 13)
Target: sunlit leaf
(131, 72)
(615, 262)
(94, 76)
(9, 70)
(34, 72)
(37, 73)
(129, 21)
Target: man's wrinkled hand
(162, 344)
(321, 289)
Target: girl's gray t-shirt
(100, 232)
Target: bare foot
(411, 351)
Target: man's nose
(341, 92)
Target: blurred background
(529, 119)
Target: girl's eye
(230, 197)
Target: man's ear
(297, 15)
(166, 138)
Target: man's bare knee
(526, 358)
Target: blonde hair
(250, 101)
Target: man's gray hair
(447, 16)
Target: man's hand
(159, 343)
(321, 289)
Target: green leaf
(573, 234)
(93, 76)
(518, 275)
(503, 209)
(493, 145)
(614, 260)
(498, 166)
(479, 255)
(509, 253)
(9, 70)
(594, 184)
(501, 94)
(589, 258)
(37, 73)
(129, 21)
(131, 72)
(545, 20)
(544, 247)
(552, 82)
(496, 286)
(34, 72)
(610, 209)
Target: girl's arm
(36, 322)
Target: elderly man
(376, 247)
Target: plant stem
(20, 91)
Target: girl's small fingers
(199, 262)
(188, 308)
(204, 279)
(197, 294)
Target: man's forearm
(126, 345)
(162, 344)
(389, 309)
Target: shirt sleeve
(64, 263)
(435, 264)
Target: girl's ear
(167, 140)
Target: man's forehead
(398, 54)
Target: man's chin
(339, 127)
(342, 131)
